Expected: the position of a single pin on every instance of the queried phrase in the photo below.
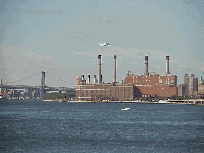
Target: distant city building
(191, 84)
(201, 87)
(186, 82)
(182, 90)
(201, 81)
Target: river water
(39, 126)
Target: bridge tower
(42, 91)
(1, 86)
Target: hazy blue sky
(62, 37)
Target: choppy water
(37, 126)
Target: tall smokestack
(146, 65)
(43, 80)
(88, 79)
(99, 69)
(94, 79)
(114, 69)
(42, 92)
(167, 65)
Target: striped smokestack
(167, 65)
(99, 69)
(82, 76)
(94, 79)
(114, 69)
(88, 79)
(146, 65)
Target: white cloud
(43, 11)
(182, 66)
(36, 57)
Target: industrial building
(133, 87)
(103, 91)
(153, 85)
(92, 92)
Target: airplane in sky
(105, 44)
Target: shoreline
(185, 102)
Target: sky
(62, 38)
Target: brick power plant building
(153, 84)
(133, 87)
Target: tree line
(54, 96)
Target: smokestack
(114, 69)
(42, 92)
(88, 79)
(43, 80)
(82, 77)
(146, 65)
(99, 69)
(167, 65)
(94, 79)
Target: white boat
(125, 108)
(2, 96)
(163, 102)
(62, 100)
(48, 100)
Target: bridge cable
(60, 79)
(22, 79)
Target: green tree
(53, 96)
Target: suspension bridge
(42, 89)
